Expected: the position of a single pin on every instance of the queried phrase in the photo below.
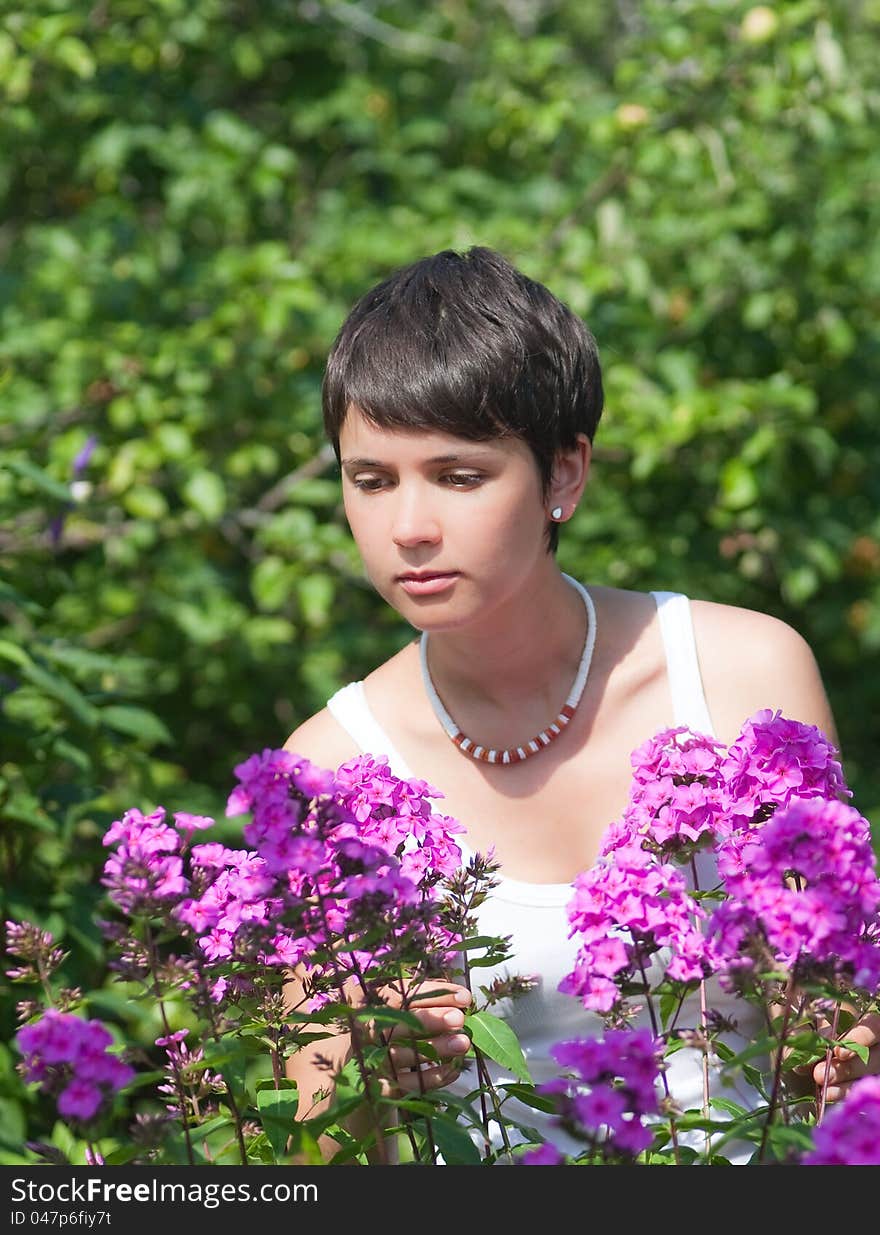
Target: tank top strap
(689, 705)
(350, 709)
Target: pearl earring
(556, 512)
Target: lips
(425, 584)
(420, 576)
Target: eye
(462, 480)
(369, 484)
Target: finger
(435, 993)
(840, 1071)
(428, 1078)
(433, 1020)
(438, 994)
(865, 1032)
(835, 1093)
(446, 1047)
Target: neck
(521, 651)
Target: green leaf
(315, 593)
(145, 502)
(62, 690)
(119, 1157)
(204, 492)
(272, 583)
(530, 1097)
(476, 941)
(454, 1142)
(732, 1108)
(739, 487)
(278, 1109)
(495, 1038)
(137, 722)
(860, 1049)
(390, 1016)
(46, 484)
(11, 651)
(213, 1125)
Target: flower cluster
(850, 1133)
(674, 806)
(609, 1093)
(69, 1057)
(774, 760)
(397, 815)
(794, 865)
(145, 874)
(759, 828)
(330, 857)
(353, 852)
(625, 911)
(802, 894)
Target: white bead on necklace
(517, 754)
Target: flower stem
(178, 1079)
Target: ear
(570, 471)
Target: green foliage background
(195, 191)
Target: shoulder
(764, 638)
(751, 660)
(322, 740)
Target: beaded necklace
(517, 754)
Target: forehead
(362, 438)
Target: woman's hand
(844, 1066)
(440, 1007)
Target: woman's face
(465, 516)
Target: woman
(462, 399)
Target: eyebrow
(455, 458)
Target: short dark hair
(465, 344)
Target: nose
(414, 522)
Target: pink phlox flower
(675, 803)
(286, 949)
(308, 854)
(612, 1084)
(200, 915)
(583, 1056)
(169, 881)
(774, 759)
(600, 1106)
(394, 811)
(414, 864)
(678, 753)
(366, 785)
(217, 945)
(273, 820)
(192, 823)
(645, 905)
(544, 1155)
(212, 855)
(218, 989)
(131, 823)
(825, 919)
(79, 1100)
(173, 1039)
(271, 776)
(62, 1049)
(849, 1135)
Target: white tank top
(534, 915)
